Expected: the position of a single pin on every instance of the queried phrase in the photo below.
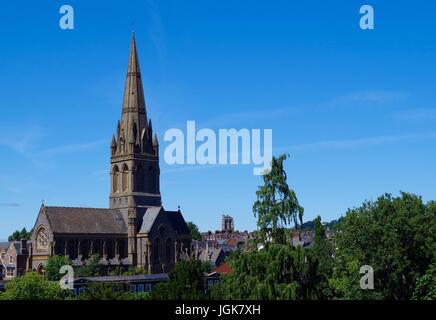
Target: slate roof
(149, 218)
(213, 255)
(17, 245)
(178, 222)
(149, 277)
(4, 245)
(85, 220)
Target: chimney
(24, 247)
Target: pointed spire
(133, 94)
(133, 102)
(155, 142)
(114, 143)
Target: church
(135, 230)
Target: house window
(10, 272)
(10, 259)
(140, 288)
(147, 287)
(81, 290)
(132, 288)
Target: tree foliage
(32, 286)
(185, 282)
(92, 268)
(108, 291)
(395, 236)
(278, 272)
(426, 285)
(20, 235)
(195, 231)
(54, 265)
(276, 205)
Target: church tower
(134, 165)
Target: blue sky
(355, 109)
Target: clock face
(42, 239)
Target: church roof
(149, 218)
(85, 220)
(177, 222)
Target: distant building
(14, 259)
(227, 224)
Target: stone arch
(115, 178)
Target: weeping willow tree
(276, 206)
(275, 270)
(279, 272)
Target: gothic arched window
(115, 176)
(124, 179)
(137, 179)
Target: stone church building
(136, 230)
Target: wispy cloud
(373, 97)
(9, 204)
(245, 117)
(73, 148)
(21, 140)
(361, 142)
(422, 114)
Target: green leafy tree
(426, 285)
(393, 235)
(54, 265)
(278, 272)
(276, 205)
(32, 286)
(92, 267)
(106, 291)
(185, 282)
(322, 249)
(195, 231)
(134, 271)
(19, 235)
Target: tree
(106, 291)
(134, 271)
(276, 205)
(322, 251)
(19, 235)
(322, 248)
(193, 228)
(54, 265)
(185, 282)
(426, 285)
(92, 267)
(395, 236)
(32, 286)
(276, 272)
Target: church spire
(134, 157)
(134, 116)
